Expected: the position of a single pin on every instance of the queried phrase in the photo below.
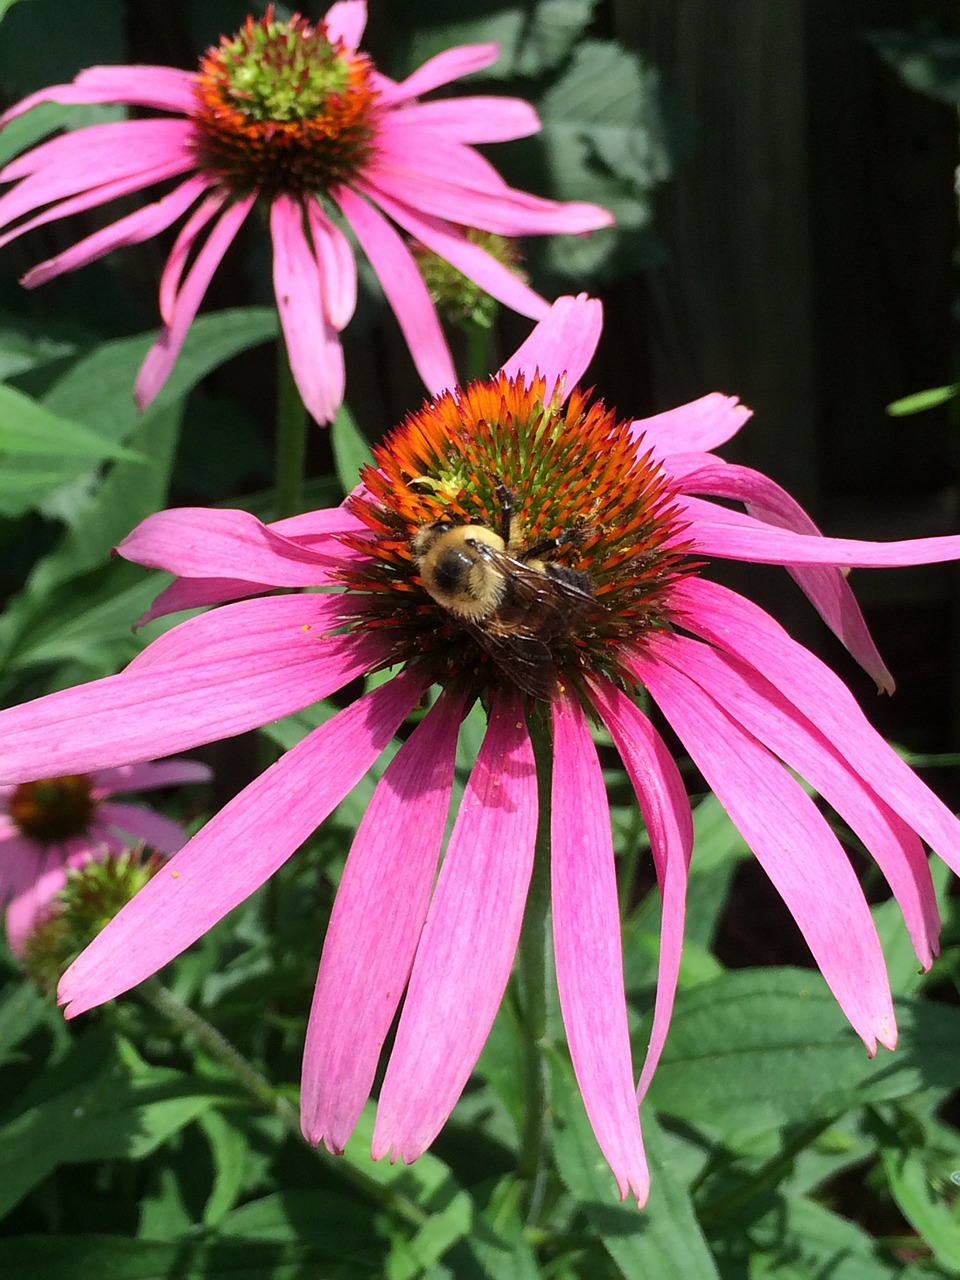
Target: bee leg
(563, 539)
(507, 502)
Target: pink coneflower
(50, 824)
(291, 113)
(519, 545)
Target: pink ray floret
(438, 924)
(420, 174)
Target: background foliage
(782, 177)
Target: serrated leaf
(781, 1030)
(663, 1239)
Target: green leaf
(26, 427)
(925, 57)
(350, 449)
(922, 1200)
(22, 1009)
(782, 1030)
(921, 400)
(96, 1257)
(663, 1239)
(803, 1240)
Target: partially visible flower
(517, 545)
(48, 825)
(291, 114)
(458, 299)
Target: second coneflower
(518, 545)
(291, 114)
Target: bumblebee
(513, 599)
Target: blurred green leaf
(28, 428)
(781, 1030)
(923, 1203)
(921, 400)
(924, 56)
(350, 450)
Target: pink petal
(338, 267)
(740, 627)
(783, 728)
(313, 349)
(586, 940)
(88, 199)
(148, 776)
(162, 355)
(33, 900)
(473, 119)
(318, 525)
(20, 861)
(165, 88)
(183, 248)
(375, 926)
(132, 820)
(475, 263)
(136, 227)
(238, 849)
(404, 288)
(718, 532)
(703, 424)
(211, 677)
(826, 588)
(439, 177)
(468, 943)
(194, 593)
(666, 812)
(793, 843)
(462, 60)
(199, 542)
(561, 346)
(346, 21)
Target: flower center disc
(514, 539)
(281, 107)
(53, 809)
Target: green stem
(191, 1023)
(478, 350)
(532, 965)
(291, 440)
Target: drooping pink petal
(194, 593)
(197, 542)
(740, 627)
(346, 21)
(147, 776)
(701, 425)
(826, 588)
(183, 247)
(88, 199)
(442, 176)
(166, 88)
(238, 849)
(312, 526)
(133, 229)
(134, 823)
(763, 711)
(404, 289)
(666, 812)
(791, 840)
(562, 344)
(475, 263)
(471, 119)
(375, 926)
(211, 677)
(462, 60)
(313, 348)
(468, 943)
(75, 162)
(735, 536)
(586, 940)
(161, 357)
(28, 905)
(338, 266)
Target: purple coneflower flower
(519, 545)
(290, 113)
(51, 824)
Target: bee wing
(534, 600)
(525, 658)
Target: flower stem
(291, 440)
(532, 953)
(269, 1097)
(478, 350)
